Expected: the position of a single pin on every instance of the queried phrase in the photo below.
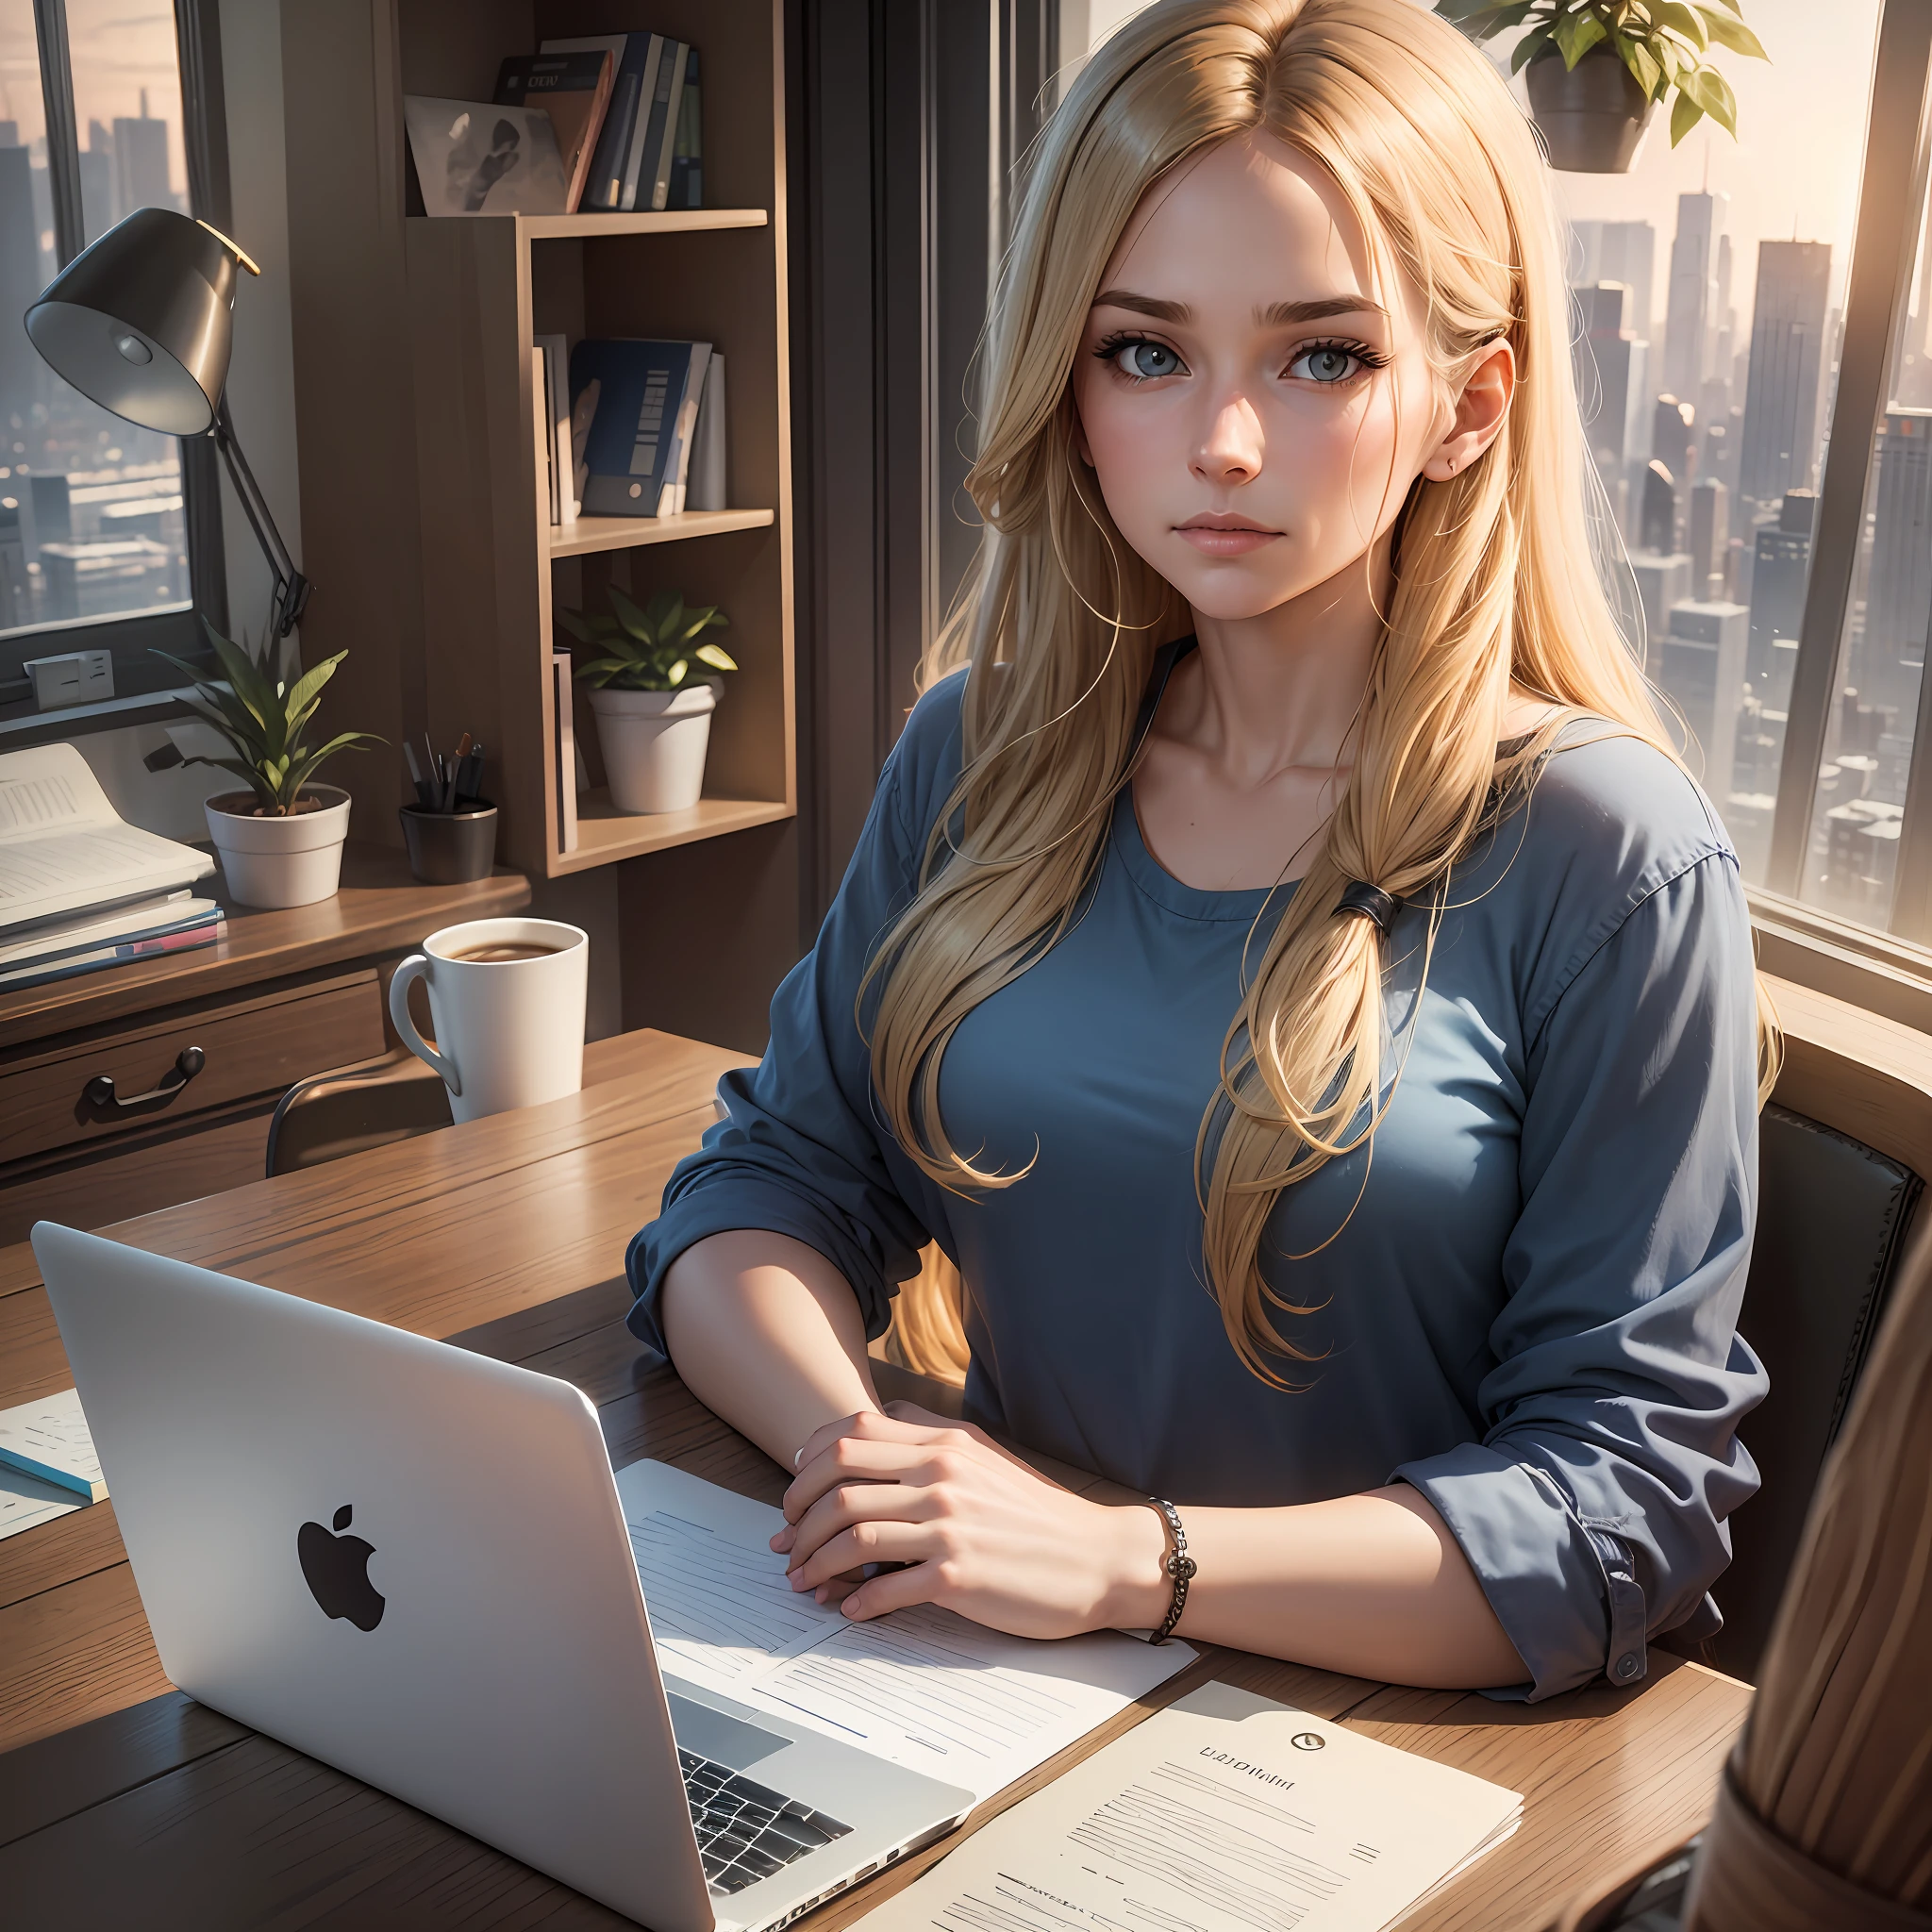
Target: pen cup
(451, 848)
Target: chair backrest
(351, 1109)
(1842, 1149)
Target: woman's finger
(866, 1542)
(897, 1589)
(861, 1458)
(868, 1424)
(839, 1508)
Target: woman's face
(1253, 412)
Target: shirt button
(1627, 1667)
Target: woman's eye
(1149, 361)
(1326, 364)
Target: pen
(422, 794)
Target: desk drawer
(249, 1046)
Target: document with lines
(1223, 1813)
(922, 1687)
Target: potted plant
(280, 842)
(1598, 68)
(654, 715)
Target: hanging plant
(1660, 44)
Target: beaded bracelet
(1177, 1564)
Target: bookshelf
(444, 582)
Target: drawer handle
(187, 1062)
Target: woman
(1287, 972)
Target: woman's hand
(979, 1531)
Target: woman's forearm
(1373, 1586)
(766, 1333)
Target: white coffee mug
(509, 1031)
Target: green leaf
(638, 623)
(1685, 115)
(1712, 92)
(1733, 34)
(718, 658)
(1529, 48)
(1642, 62)
(1576, 35)
(676, 673)
(1684, 19)
(243, 675)
(703, 621)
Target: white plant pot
(654, 744)
(272, 861)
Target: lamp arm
(291, 586)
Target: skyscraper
(1778, 450)
(1692, 298)
(1619, 252)
(1778, 571)
(1610, 360)
(140, 163)
(1709, 534)
(19, 282)
(1889, 657)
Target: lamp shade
(140, 323)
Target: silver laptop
(411, 1561)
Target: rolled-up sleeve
(1593, 1507)
(801, 1151)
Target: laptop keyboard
(746, 1831)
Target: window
(101, 544)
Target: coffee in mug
(507, 1003)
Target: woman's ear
(1481, 411)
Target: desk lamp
(141, 323)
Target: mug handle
(411, 970)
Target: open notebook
(63, 848)
(1225, 1812)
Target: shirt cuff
(743, 1199)
(1563, 1586)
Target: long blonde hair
(1494, 580)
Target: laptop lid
(403, 1559)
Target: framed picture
(473, 158)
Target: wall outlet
(78, 678)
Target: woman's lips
(1213, 542)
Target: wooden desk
(286, 994)
(126, 1802)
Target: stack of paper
(1225, 1813)
(922, 1687)
(47, 1462)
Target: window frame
(205, 143)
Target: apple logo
(336, 1571)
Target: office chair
(352, 1108)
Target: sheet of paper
(24, 1501)
(48, 1439)
(1223, 1813)
(922, 1687)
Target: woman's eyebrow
(1277, 315)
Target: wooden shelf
(670, 222)
(625, 533)
(605, 834)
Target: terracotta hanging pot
(1591, 116)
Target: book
(564, 763)
(81, 930)
(70, 965)
(49, 1439)
(1225, 1812)
(706, 483)
(687, 154)
(654, 123)
(475, 157)
(603, 179)
(583, 412)
(64, 849)
(574, 90)
(638, 440)
(657, 169)
(545, 425)
(614, 169)
(564, 508)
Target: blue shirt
(1530, 1310)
